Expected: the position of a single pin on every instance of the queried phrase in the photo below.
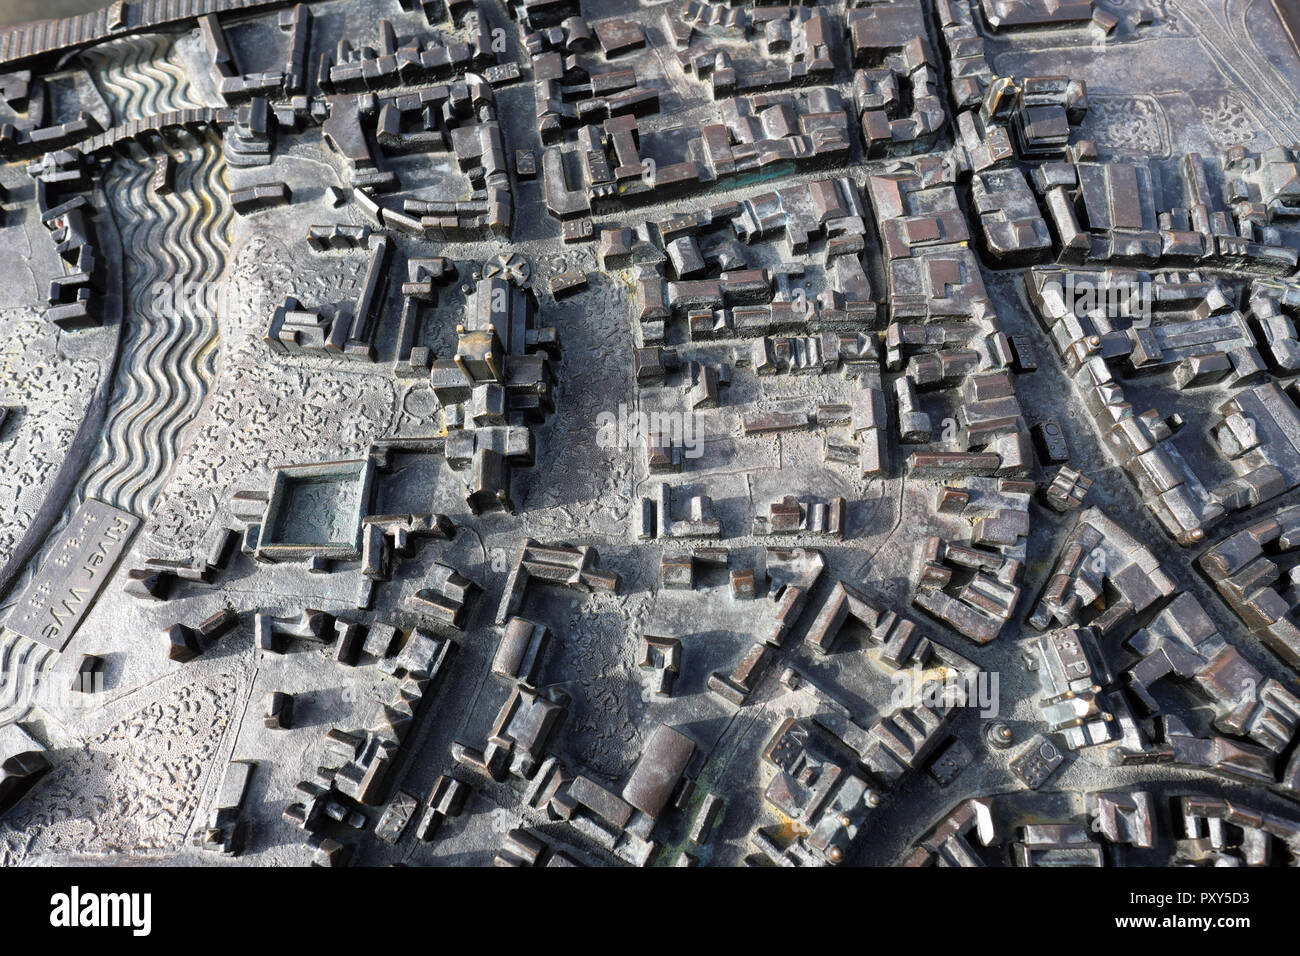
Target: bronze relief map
(629, 433)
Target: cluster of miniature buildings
(850, 248)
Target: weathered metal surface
(71, 577)
(841, 433)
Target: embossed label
(73, 575)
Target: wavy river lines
(138, 77)
(167, 360)
(183, 235)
